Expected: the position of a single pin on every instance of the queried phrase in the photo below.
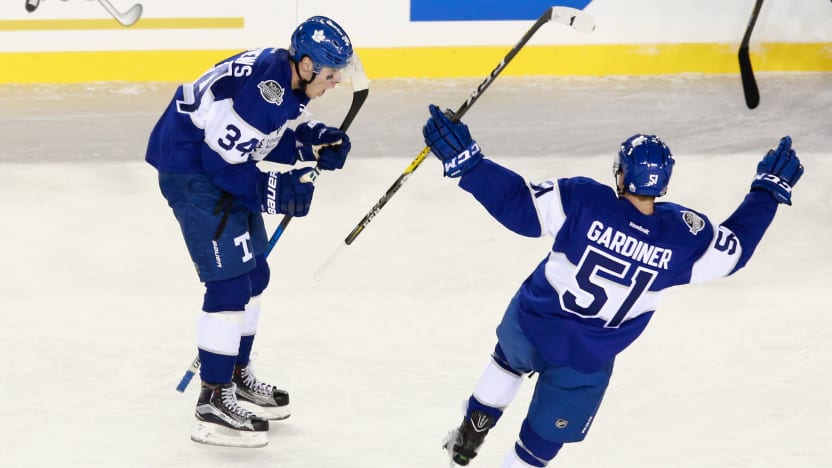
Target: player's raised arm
(736, 239)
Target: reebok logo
(639, 228)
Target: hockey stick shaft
(577, 19)
(189, 374)
(749, 83)
(361, 89)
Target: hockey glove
(327, 145)
(290, 192)
(451, 142)
(779, 171)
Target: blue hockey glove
(289, 192)
(779, 171)
(333, 157)
(451, 143)
(327, 145)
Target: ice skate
(220, 420)
(271, 402)
(462, 443)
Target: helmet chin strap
(619, 186)
(301, 81)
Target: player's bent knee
(497, 386)
(227, 295)
(500, 358)
(259, 276)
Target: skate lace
(254, 384)
(229, 400)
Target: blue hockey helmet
(646, 164)
(323, 41)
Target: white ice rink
(99, 300)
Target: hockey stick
(749, 84)
(189, 374)
(361, 89)
(576, 19)
(128, 17)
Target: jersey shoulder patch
(684, 221)
(694, 222)
(271, 91)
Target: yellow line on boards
(431, 62)
(142, 23)
(133, 66)
(593, 60)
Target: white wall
(377, 23)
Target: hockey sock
(532, 449)
(218, 338)
(251, 317)
(476, 405)
(495, 389)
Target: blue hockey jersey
(609, 264)
(238, 113)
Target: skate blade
(448, 445)
(273, 413)
(213, 434)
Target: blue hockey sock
(246, 343)
(533, 449)
(475, 405)
(215, 368)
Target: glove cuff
(779, 188)
(270, 194)
(305, 152)
(463, 162)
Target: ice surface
(99, 299)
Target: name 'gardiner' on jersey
(609, 263)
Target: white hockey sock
(513, 461)
(219, 332)
(497, 387)
(251, 316)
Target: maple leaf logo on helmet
(323, 41)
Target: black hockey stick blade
(749, 83)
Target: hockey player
(614, 253)
(206, 147)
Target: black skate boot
(220, 420)
(272, 403)
(462, 443)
